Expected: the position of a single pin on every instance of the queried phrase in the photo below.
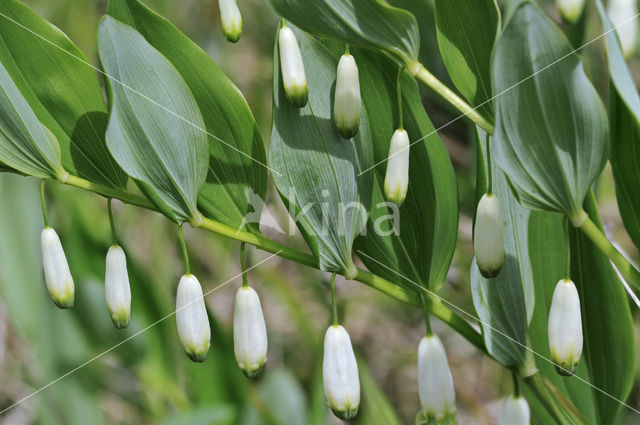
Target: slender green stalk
(45, 216)
(422, 74)
(346, 49)
(489, 170)
(185, 254)
(114, 235)
(262, 242)
(425, 309)
(334, 302)
(626, 269)
(399, 94)
(243, 266)
(567, 240)
(516, 384)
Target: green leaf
(366, 23)
(237, 169)
(466, 35)
(155, 128)
(25, 144)
(422, 246)
(505, 303)
(551, 129)
(609, 347)
(624, 113)
(62, 89)
(316, 169)
(376, 409)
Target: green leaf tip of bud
(197, 356)
(120, 318)
(298, 96)
(566, 372)
(253, 373)
(64, 301)
(346, 415)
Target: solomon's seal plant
(177, 137)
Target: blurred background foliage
(143, 377)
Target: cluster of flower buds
(347, 103)
(231, 20)
(293, 76)
(515, 411)
(435, 383)
(570, 10)
(56, 269)
(192, 320)
(340, 374)
(396, 179)
(249, 332)
(621, 13)
(565, 328)
(116, 287)
(488, 238)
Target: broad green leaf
(467, 31)
(25, 144)
(155, 129)
(551, 129)
(317, 170)
(609, 348)
(547, 252)
(421, 246)
(62, 89)
(375, 409)
(505, 303)
(624, 113)
(237, 164)
(366, 23)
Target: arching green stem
(399, 94)
(334, 302)
(567, 268)
(183, 247)
(425, 310)
(43, 203)
(114, 235)
(489, 169)
(516, 384)
(243, 266)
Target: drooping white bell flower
(340, 373)
(249, 332)
(435, 383)
(56, 269)
(488, 238)
(192, 320)
(347, 103)
(116, 287)
(515, 411)
(231, 20)
(621, 13)
(565, 328)
(293, 76)
(570, 9)
(396, 180)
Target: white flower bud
(570, 9)
(565, 328)
(435, 383)
(249, 332)
(396, 180)
(488, 238)
(515, 411)
(347, 103)
(231, 20)
(192, 319)
(56, 269)
(620, 11)
(293, 76)
(116, 287)
(340, 373)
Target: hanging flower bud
(435, 384)
(570, 9)
(340, 374)
(621, 13)
(116, 287)
(347, 104)
(515, 411)
(249, 332)
(293, 77)
(56, 269)
(488, 239)
(231, 20)
(192, 319)
(396, 181)
(565, 328)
